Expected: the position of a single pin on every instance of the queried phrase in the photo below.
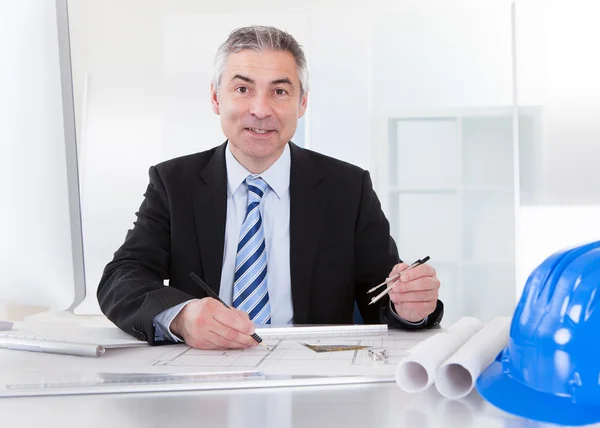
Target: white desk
(382, 406)
(368, 405)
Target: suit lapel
(210, 211)
(307, 208)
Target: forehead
(261, 66)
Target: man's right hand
(207, 324)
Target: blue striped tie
(250, 292)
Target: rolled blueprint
(416, 372)
(456, 377)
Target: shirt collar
(277, 176)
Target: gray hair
(260, 38)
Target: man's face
(259, 103)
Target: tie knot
(257, 187)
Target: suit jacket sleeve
(131, 292)
(375, 256)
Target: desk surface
(367, 405)
(374, 405)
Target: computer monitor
(41, 256)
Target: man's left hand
(415, 293)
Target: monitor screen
(41, 256)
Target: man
(282, 234)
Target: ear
(214, 99)
(303, 104)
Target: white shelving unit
(450, 195)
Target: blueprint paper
(287, 357)
(456, 377)
(416, 372)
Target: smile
(259, 131)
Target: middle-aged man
(282, 234)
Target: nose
(260, 106)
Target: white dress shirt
(275, 211)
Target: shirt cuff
(402, 320)
(162, 323)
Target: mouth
(260, 132)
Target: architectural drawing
(291, 357)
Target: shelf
(454, 174)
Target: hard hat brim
(514, 397)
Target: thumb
(397, 269)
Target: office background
(477, 119)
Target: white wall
(367, 60)
(35, 252)
(142, 71)
(438, 66)
(558, 68)
(436, 55)
(546, 229)
(166, 49)
(557, 73)
(439, 54)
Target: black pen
(214, 296)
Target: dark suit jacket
(340, 244)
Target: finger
(414, 296)
(222, 342)
(207, 339)
(243, 314)
(419, 284)
(235, 319)
(397, 269)
(395, 273)
(232, 338)
(418, 272)
(198, 343)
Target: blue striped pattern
(250, 292)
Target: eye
(280, 92)
(241, 89)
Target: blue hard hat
(550, 370)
